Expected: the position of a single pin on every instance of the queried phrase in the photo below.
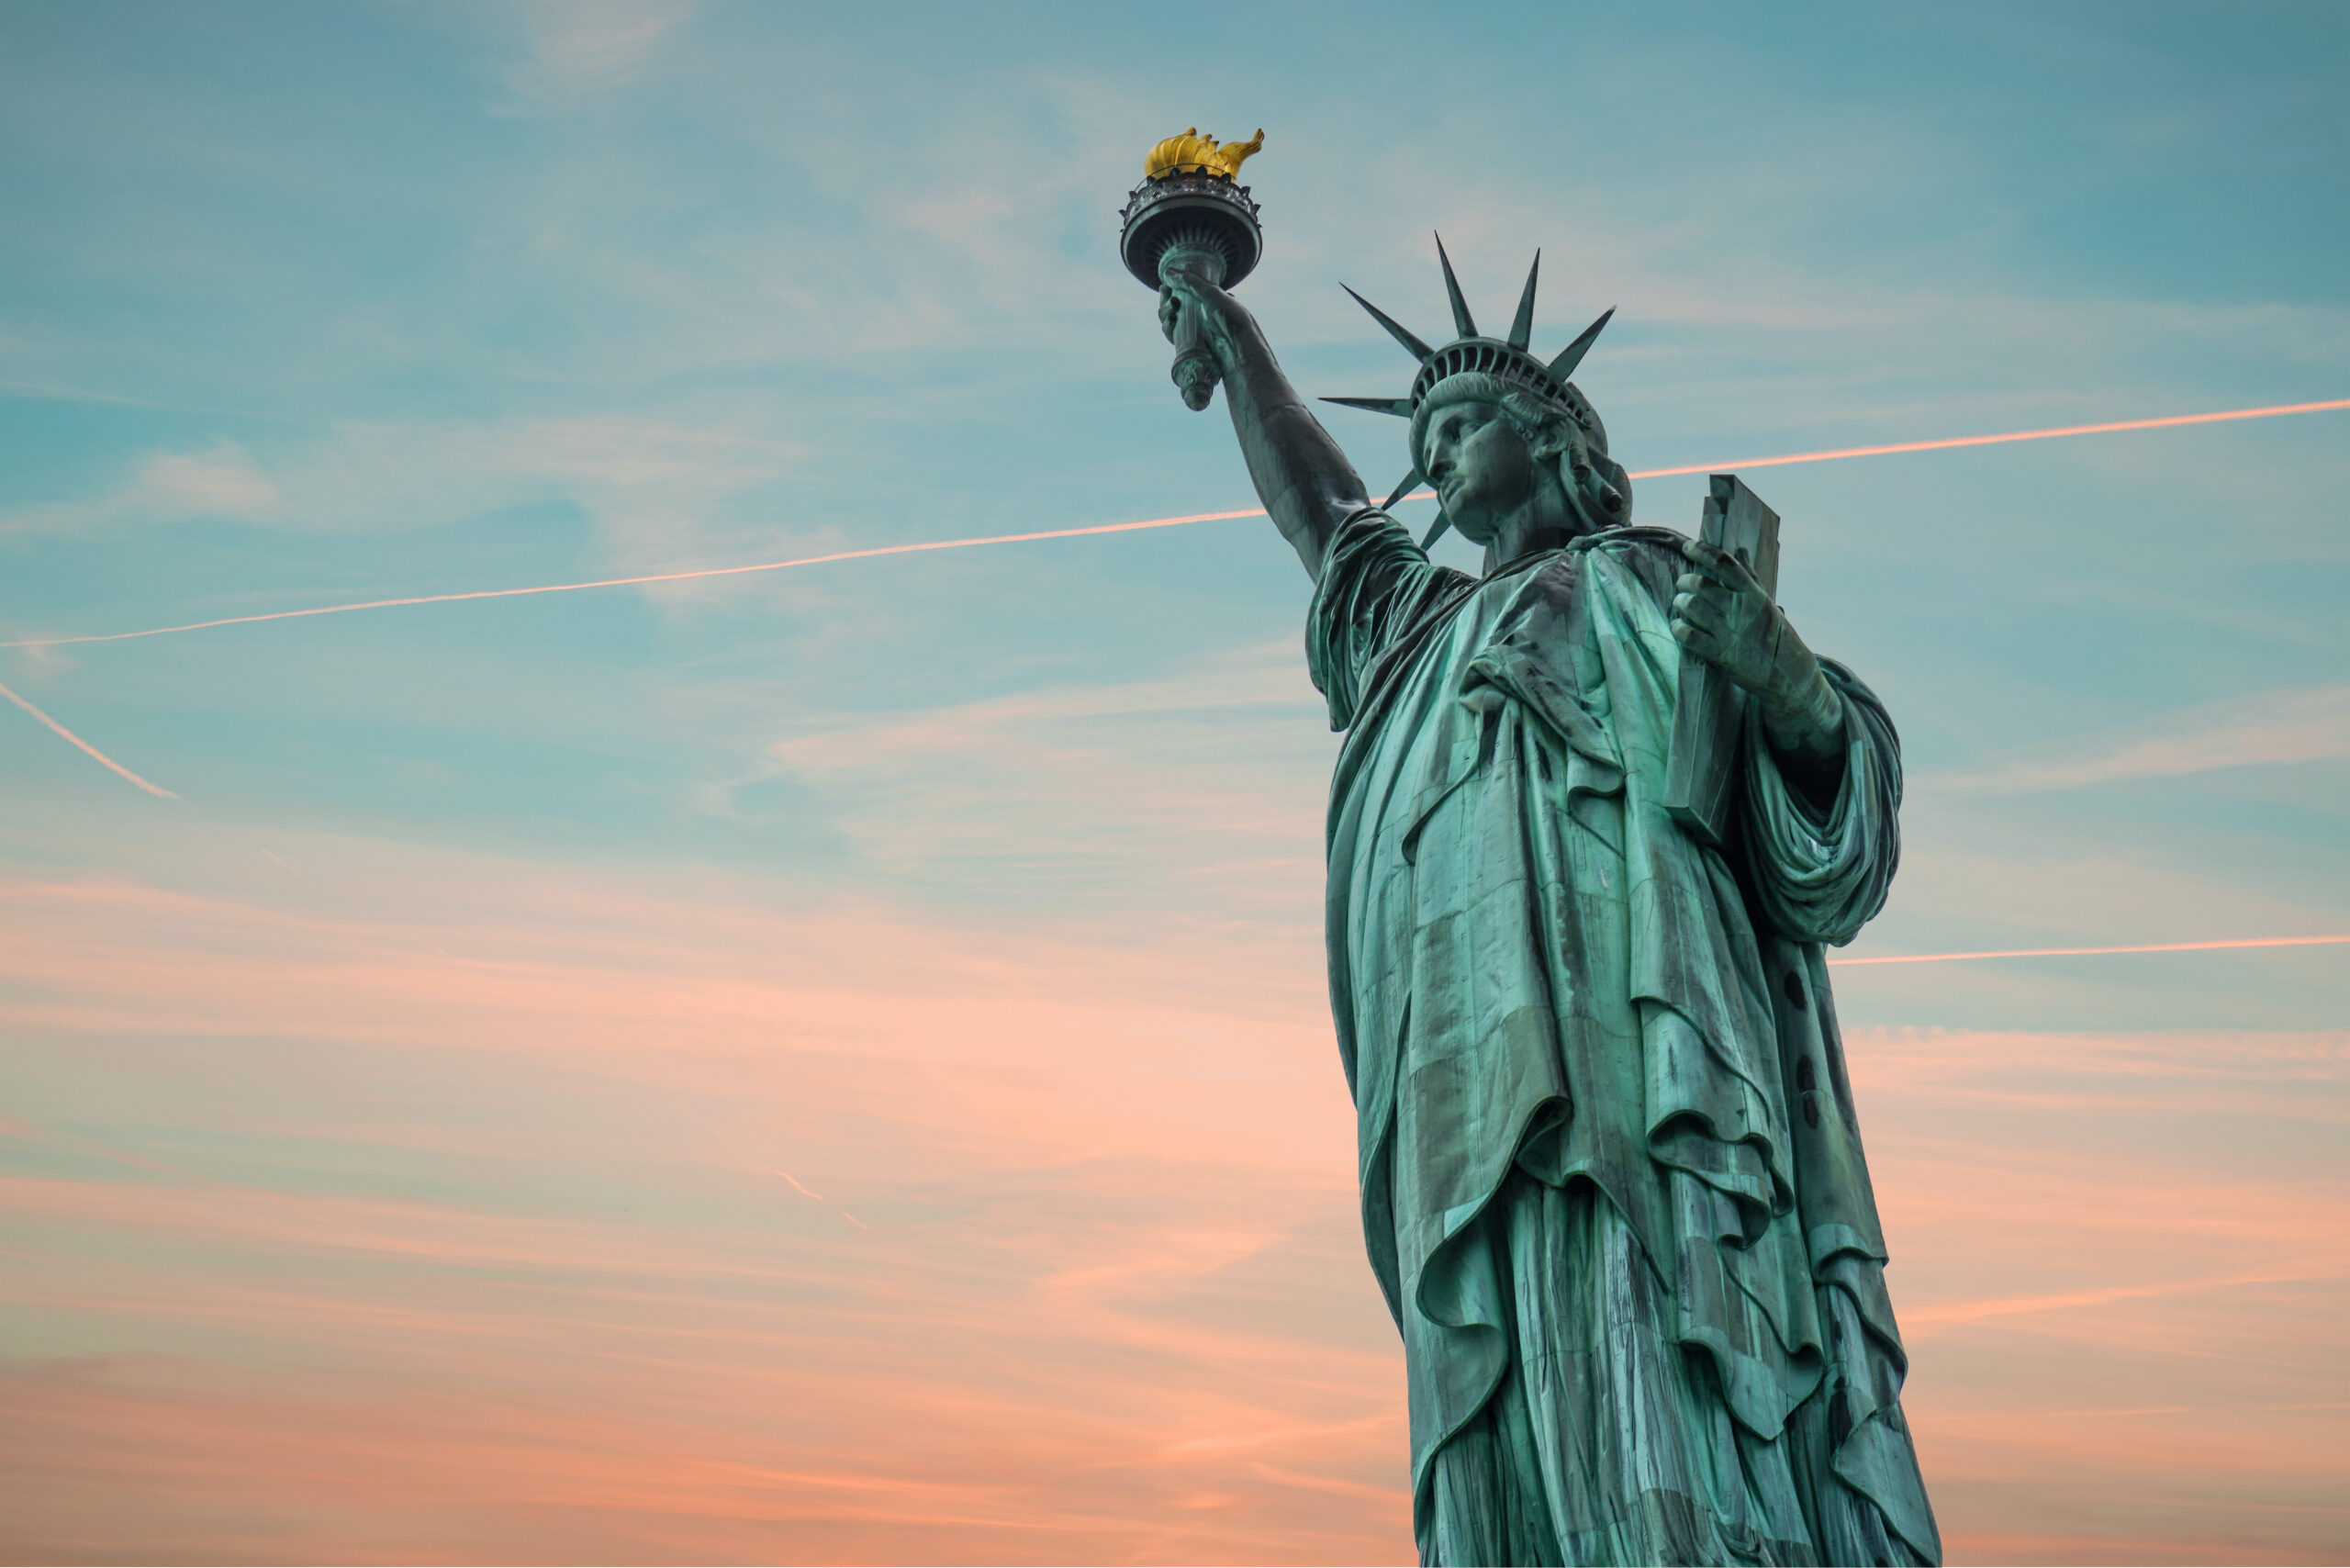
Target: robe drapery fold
(1612, 1182)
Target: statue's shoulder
(1637, 540)
(1370, 547)
(1650, 554)
(1372, 526)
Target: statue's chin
(1482, 537)
(1486, 526)
(1479, 521)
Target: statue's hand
(1171, 305)
(1218, 311)
(1721, 614)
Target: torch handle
(1194, 372)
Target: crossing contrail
(2081, 952)
(1950, 443)
(101, 758)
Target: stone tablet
(1702, 779)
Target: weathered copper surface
(1612, 1177)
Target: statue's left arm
(1820, 867)
(1722, 615)
(1823, 787)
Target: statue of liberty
(1612, 1182)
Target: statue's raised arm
(1306, 482)
(1190, 232)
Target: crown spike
(1400, 407)
(1412, 481)
(1522, 330)
(1442, 522)
(1461, 320)
(1418, 350)
(1572, 355)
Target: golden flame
(1192, 153)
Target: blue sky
(305, 305)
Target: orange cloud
(428, 1208)
(1107, 1308)
(2122, 1263)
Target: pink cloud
(427, 1207)
(2122, 1263)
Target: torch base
(1201, 211)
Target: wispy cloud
(2307, 724)
(640, 479)
(575, 47)
(1199, 776)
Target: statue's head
(1487, 444)
(1491, 423)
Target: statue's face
(1481, 468)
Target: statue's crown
(1494, 356)
(1192, 153)
(1505, 358)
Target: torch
(1190, 211)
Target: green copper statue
(1612, 1183)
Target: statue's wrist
(1237, 339)
(1812, 708)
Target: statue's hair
(1567, 429)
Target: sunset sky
(834, 1064)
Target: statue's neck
(1546, 521)
(1499, 556)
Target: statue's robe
(1612, 1182)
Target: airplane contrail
(1952, 441)
(2079, 952)
(2050, 434)
(101, 757)
(819, 1197)
(653, 577)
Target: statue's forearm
(1306, 482)
(1807, 734)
